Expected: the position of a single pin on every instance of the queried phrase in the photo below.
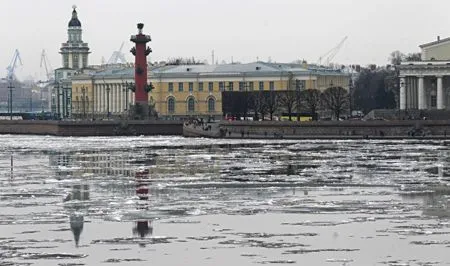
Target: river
(75, 201)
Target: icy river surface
(76, 201)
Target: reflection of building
(196, 90)
(426, 84)
(75, 201)
(93, 163)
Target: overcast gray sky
(284, 30)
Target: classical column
(120, 98)
(440, 94)
(402, 93)
(421, 94)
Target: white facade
(425, 85)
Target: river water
(74, 201)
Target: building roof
(250, 69)
(74, 22)
(434, 43)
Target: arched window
(191, 104)
(211, 105)
(171, 105)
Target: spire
(74, 22)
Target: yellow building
(192, 90)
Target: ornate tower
(74, 52)
(140, 51)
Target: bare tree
(258, 104)
(336, 100)
(272, 103)
(396, 58)
(184, 61)
(311, 99)
(288, 100)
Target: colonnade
(112, 97)
(422, 92)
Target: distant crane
(12, 66)
(46, 64)
(117, 56)
(328, 56)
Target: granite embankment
(337, 129)
(91, 128)
(236, 129)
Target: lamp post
(83, 98)
(350, 91)
(58, 101)
(10, 108)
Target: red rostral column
(140, 66)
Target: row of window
(190, 102)
(243, 86)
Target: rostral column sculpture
(140, 51)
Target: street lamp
(127, 86)
(350, 91)
(58, 100)
(10, 108)
(83, 98)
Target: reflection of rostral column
(140, 51)
(143, 227)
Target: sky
(239, 30)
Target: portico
(425, 85)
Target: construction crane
(117, 56)
(328, 56)
(46, 64)
(12, 66)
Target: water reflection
(103, 164)
(435, 201)
(75, 201)
(142, 227)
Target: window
(433, 101)
(241, 85)
(180, 86)
(271, 85)
(170, 86)
(211, 105)
(191, 86)
(85, 60)
(221, 86)
(261, 85)
(66, 60)
(210, 86)
(250, 85)
(191, 104)
(171, 105)
(230, 86)
(76, 61)
(200, 86)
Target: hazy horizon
(283, 31)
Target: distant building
(182, 91)
(425, 84)
(75, 60)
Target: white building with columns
(425, 85)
